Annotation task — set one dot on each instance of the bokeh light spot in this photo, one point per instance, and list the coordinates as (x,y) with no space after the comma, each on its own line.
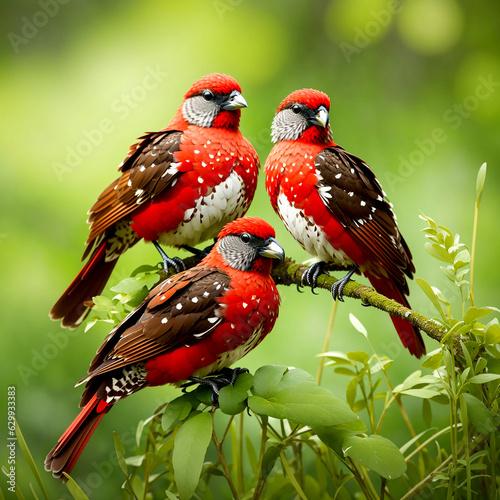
(430,27)
(347,21)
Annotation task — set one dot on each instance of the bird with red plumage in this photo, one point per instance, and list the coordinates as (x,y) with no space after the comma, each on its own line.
(334,206)
(193,324)
(178,187)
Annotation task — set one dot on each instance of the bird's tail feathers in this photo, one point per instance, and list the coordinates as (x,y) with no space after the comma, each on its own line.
(408,333)
(63,456)
(89,282)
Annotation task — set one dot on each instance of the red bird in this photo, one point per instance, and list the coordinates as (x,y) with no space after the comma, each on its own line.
(191,325)
(334,206)
(178,187)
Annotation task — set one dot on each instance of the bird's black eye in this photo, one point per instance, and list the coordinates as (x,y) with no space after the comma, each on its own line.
(245,238)
(208,95)
(296,108)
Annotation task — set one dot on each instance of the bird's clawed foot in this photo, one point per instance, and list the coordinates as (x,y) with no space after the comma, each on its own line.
(216,381)
(311,275)
(174,262)
(338,287)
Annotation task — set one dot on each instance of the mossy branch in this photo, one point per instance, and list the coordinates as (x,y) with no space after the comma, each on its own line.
(290,273)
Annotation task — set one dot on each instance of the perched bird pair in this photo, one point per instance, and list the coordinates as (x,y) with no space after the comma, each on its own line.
(180,187)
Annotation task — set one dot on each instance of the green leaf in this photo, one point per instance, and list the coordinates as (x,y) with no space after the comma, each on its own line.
(266,379)
(296,397)
(176,411)
(337,357)
(102,303)
(351,391)
(29,459)
(129,285)
(415,439)
(421,393)
(75,490)
(170,495)
(334,436)
(427,289)
(190,446)
(492,332)
(377,454)
(474,313)
(479,414)
(434,361)
(343,370)
(481,177)
(120,453)
(269,459)
(427,412)
(482,378)
(414,379)
(429,221)
(438,252)
(138,432)
(232,397)
(358,325)
(360,356)
(384,364)
(135,461)
(145,268)
(462,259)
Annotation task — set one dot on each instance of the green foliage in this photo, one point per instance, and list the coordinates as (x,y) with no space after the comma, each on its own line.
(303,423)
(131,292)
(312,444)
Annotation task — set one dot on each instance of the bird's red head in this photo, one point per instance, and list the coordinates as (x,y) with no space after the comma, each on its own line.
(313,99)
(213,101)
(252,225)
(218,83)
(303,116)
(246,244)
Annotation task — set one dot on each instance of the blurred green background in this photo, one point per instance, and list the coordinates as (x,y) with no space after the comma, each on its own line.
(415,89)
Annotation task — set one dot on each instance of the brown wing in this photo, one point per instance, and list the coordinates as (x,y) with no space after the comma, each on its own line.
(146,172)
(352,193)
(181,310)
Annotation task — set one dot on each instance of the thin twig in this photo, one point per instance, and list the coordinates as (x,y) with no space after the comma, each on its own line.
(222,460)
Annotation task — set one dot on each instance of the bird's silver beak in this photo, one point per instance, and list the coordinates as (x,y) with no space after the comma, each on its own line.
(321,118)
(272,249)
(234,101)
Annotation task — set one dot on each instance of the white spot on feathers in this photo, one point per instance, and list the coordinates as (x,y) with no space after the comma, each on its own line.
(221,204)
(310,236)
(164,320)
